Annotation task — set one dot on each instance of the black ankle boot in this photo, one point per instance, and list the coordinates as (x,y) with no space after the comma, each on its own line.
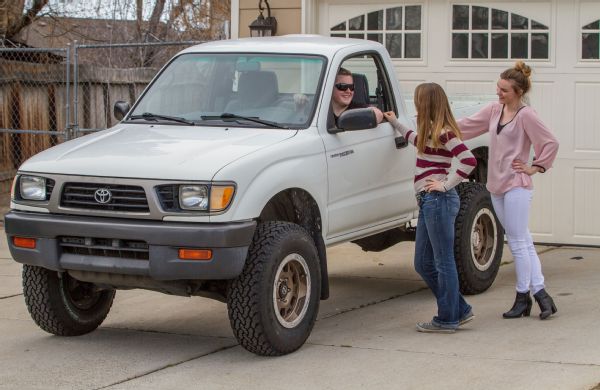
(521,307)
(547,306)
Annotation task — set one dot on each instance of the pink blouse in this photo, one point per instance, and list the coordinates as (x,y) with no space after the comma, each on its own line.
(513,142)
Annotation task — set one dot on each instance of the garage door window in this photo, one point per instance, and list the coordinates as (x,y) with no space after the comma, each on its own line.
(490,33)
(590,42)
(398,28)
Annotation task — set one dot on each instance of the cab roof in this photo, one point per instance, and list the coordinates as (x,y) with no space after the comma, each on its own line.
(289,44)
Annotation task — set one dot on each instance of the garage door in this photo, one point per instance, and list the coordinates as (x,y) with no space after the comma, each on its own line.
(465,45)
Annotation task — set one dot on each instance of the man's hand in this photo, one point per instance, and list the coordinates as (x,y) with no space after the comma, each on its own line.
(300,100)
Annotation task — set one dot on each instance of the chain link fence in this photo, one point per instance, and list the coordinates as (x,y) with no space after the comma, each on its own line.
(48,96)
(34,106)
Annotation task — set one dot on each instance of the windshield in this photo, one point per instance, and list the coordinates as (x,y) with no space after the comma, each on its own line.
(280,89)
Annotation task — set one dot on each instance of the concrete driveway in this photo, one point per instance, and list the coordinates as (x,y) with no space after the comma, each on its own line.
(364,338)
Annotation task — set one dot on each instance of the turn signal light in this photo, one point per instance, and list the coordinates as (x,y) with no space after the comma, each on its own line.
(220,197)
(22,242)
(195,254)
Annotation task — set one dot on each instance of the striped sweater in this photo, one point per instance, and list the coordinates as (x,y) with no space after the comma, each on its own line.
(435,163)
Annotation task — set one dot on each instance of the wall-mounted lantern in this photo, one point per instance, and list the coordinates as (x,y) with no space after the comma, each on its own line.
(263,27)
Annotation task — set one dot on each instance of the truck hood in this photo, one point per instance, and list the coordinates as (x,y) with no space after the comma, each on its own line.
(155,151)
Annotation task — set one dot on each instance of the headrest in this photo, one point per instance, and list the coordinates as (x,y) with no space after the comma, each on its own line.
(361,89)
(258,86)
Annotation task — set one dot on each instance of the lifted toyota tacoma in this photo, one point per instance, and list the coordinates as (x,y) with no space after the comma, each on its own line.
(228,179)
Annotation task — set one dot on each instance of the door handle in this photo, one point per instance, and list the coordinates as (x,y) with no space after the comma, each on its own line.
(401,142)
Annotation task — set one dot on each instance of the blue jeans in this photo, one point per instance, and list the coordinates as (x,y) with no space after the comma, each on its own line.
(434,255)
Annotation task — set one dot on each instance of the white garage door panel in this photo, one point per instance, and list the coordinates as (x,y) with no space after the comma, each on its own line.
(587,207)
(544,101)
(408,86)
(589,11)
(470,87)
(541,221)
(543,207)
(587,117)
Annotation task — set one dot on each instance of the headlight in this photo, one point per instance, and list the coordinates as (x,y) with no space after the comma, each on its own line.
(203,197)
(193,197)
(32,187)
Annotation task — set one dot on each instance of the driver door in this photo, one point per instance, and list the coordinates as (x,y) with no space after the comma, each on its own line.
(370,181)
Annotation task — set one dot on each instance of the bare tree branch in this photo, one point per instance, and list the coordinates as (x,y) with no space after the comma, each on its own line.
(159,6)
(26,18)
(132,21)
(139,12)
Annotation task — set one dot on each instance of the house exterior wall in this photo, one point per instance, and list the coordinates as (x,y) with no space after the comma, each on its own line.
(287,13)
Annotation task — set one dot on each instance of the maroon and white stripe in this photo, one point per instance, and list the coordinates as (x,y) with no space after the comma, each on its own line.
(435,163)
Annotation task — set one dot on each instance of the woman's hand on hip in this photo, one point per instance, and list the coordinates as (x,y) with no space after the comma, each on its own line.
(520,167)
(434,185)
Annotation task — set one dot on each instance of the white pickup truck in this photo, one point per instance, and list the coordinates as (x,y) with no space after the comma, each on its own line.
(228,179)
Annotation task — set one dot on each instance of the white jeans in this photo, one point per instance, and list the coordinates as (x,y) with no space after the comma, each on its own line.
(512,209)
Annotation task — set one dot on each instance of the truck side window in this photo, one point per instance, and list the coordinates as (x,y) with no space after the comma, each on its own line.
(370,81)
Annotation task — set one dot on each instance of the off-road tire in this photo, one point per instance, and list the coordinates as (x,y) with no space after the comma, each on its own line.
(62,305)
(480,172)
(478,241)
(252,296)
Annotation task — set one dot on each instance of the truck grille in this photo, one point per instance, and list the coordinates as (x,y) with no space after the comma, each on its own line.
(105,247)
(169,197)
(122,197)
(49,187)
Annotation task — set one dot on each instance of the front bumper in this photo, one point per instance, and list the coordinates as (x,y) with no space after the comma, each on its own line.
(229,243)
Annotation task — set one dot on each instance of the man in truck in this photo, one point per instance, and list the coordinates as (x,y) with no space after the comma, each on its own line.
(343,94)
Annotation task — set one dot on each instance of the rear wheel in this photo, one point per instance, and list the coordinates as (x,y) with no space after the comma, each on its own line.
(479,239)
(274,303)
(62,305)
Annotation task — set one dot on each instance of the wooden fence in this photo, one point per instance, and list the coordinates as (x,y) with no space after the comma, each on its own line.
(34,97)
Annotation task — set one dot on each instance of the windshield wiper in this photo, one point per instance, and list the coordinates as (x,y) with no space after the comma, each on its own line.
(152,117)
(228,115)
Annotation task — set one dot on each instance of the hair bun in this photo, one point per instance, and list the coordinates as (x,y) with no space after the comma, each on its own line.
(523,68)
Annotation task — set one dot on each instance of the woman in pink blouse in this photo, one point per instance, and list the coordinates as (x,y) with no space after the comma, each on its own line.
(514,127)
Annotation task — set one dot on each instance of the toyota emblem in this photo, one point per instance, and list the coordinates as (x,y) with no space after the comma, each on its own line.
(102,195)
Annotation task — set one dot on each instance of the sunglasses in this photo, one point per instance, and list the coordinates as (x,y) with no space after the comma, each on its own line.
(344,87)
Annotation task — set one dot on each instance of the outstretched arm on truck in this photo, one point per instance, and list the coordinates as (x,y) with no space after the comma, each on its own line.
(399,128)
(476,124)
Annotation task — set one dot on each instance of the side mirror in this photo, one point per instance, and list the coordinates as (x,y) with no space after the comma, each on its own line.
(121,109)
(356,119)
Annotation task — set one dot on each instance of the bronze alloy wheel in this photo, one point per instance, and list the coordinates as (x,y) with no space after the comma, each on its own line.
(291,290)
(478,239)
(273,304)
(483,239)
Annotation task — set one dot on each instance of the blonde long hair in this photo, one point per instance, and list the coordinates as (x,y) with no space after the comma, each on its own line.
(433,116)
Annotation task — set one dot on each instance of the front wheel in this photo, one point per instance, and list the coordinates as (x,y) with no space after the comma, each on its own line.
(62,305)
(274,302)
(479,239)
